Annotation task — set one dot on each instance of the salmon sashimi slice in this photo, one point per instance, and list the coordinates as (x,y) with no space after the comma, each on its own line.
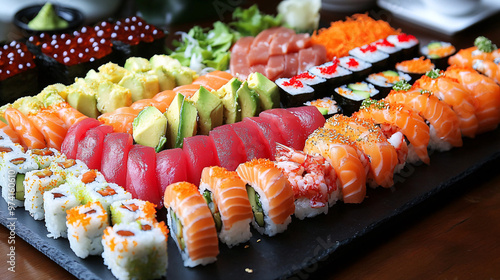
(238,65)
(275,67)
(10,133)
(300,41)
(282,42)
(188,90)
(291,65)
(489,68)
(273,192)
(165,97)
(444,123)
(411,124)
(51,126)
(465,57)
(143,103)
(485,91)
(121,119)
(68,114)
(345,159)
(30,136)
(259,50)
(369,139)
(213,80)
(227,199)
(451,92)
(191,224)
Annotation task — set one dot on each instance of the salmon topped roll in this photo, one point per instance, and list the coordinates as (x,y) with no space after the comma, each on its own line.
(348,162)
(407,122)
(191,224)
(270,195)
(226,196)
(369,138)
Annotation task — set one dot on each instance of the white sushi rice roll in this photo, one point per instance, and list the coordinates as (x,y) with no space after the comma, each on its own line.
(87,179)
(136,250)
(7,147)
(130,210)
(15,165)
(403,41)
(106,193)
(386,46)
(369,54)
(36,183)
(55,203)
(73,167)
(4,137)
(353,64)
(86,224)
(320,71)
(44,157)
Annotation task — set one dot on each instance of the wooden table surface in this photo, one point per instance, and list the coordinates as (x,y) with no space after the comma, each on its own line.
(455,236)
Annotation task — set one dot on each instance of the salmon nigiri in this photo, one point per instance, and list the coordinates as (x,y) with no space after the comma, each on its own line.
(120,119)
(68,114)
(410,123)
(187,90)
(5,128)
(191,224)
(270,195)
(345,158)
(444,123)
(227,198)
(369,139)
(485,91)
(489,68)
(30,136)
(165,97)
(213,80)
(52,127)
(451,92)
(143,103)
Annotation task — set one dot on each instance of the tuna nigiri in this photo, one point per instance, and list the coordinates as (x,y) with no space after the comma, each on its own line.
(114,157)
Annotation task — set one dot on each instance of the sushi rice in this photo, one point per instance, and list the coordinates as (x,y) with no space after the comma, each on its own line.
(130,210)
(55,203)
(36,183)
(15,164)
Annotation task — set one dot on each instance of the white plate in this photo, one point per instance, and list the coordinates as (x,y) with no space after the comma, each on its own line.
(416,12)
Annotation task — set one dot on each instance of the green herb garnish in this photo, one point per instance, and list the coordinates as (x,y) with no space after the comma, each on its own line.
(401,86)
(379,104)
(484,44)
(250,22)
(434,74)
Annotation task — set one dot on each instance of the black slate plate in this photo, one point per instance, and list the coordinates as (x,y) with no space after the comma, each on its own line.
(306,244)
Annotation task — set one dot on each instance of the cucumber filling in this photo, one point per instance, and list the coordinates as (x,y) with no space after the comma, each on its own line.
(20,187)
(254,199)
(177,230)
(208,196)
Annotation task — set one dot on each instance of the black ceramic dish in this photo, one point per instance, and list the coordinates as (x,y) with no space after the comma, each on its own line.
(74,18)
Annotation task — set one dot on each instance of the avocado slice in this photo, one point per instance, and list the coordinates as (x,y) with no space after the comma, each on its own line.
(361,93)
(182,75)
(141,86)
(165,79)
(83,98)
(269,95)
(358,87)
(434,45)
(390,73)
(228,94)
(150,127)
(210,110)
(254,199)
(137,64)
(208,196)
(177,230)
(181,121)
(248,100)
(109,95)
(20,186)
(112,72)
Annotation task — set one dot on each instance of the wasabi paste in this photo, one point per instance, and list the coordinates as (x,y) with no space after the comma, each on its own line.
(47,19)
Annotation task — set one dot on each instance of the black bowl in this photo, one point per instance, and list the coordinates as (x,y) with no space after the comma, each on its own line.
(74,18)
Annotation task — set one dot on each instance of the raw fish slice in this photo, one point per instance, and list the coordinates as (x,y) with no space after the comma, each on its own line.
(188,90)
(281,43)
(115,151)
(91,146)
(30,136)
(229,147)
(143,103)
(488,68)
(213,80)
(369,139)
(52,127)
(255,145)
(238,64)
(76,132)
(68,114)
(466,57)
(275,67)
(261,68)
(289,126)
(198,227)
(299,42)
(121,119)
(344,157)
(259,50)
(165,97)
(171,167)
(10,132)
(200,152)
(411,124)
(141,175)
(291,65)
(457,97)
(268,132)
(485,91)
(310,118)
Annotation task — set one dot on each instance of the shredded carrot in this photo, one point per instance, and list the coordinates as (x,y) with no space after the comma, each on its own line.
(416,65)
(355,31)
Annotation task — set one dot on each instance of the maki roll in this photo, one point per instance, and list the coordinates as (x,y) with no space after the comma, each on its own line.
(55,204)
(88,179)
(130,210)
(226,196)
(192,224)
(371,54)
(332,72)
(73,167)
(415,67)
(327,106)
(408,43)
(350,96)
(44,157)
(294,92)
(136,250)
(395,53)
(105,193)
(14,167)
(359,68)
(270,195)
(86,224)
(36,183)
(384,81)
(438,52)
(319,84)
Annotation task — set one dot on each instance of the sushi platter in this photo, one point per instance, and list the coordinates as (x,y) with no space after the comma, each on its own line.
(246,152)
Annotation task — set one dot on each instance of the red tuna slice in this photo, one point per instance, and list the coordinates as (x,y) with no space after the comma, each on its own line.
(114,157)
(310,118)
(200,152)
(171,167)
(75,133)
(90,147)
(259,50)
(291,65)
(275,67)
(230,148)
(255,144)
(280,43)
(141,175)
(289,126)
(268,131)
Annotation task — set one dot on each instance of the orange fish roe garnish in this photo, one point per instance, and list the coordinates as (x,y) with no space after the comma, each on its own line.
(78,214)
(416,65)
(164,228)
(260,161)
